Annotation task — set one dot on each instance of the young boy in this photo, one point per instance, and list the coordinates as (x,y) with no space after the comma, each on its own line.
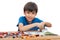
(29,22)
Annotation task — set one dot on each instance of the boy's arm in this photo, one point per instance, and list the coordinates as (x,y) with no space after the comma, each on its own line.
(27,27)
(42,24)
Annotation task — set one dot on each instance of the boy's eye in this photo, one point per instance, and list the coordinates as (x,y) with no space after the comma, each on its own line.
(33,13)
(28,12)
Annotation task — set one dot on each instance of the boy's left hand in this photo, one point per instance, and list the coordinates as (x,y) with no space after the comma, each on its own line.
(48,24)
(41,25)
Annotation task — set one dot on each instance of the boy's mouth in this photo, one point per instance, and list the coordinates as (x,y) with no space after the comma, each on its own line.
(29,18)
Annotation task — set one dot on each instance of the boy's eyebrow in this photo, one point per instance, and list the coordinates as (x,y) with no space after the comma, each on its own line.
(30,11)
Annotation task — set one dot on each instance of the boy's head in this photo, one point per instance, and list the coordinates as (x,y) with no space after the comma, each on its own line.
(30,11)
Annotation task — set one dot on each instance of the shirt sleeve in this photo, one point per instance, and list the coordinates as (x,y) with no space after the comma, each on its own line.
(20,21)
(40,20)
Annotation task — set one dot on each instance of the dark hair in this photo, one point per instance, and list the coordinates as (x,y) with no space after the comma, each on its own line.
(30,6)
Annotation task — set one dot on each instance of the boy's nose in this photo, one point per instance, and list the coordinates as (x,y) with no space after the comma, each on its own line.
(30,14)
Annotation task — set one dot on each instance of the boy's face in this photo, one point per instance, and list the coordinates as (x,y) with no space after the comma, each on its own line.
(30,15)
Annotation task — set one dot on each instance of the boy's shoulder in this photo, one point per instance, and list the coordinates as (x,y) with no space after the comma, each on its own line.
(22,18)
(37,20)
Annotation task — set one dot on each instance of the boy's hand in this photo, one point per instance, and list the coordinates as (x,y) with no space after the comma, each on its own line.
(48,24)
(40,25)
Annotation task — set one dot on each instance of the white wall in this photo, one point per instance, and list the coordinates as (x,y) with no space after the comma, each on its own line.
(11,10)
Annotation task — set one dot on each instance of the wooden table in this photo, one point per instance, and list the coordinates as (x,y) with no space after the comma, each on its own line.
(35,38)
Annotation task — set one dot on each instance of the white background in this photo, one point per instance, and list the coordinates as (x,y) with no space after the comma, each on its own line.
(11,10)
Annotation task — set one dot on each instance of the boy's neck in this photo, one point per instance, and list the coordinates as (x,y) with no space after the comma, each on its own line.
(29,22)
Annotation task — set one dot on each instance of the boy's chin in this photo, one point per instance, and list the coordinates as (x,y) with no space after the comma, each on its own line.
(29,20)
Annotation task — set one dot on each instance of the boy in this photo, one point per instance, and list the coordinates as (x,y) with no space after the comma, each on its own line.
(29,22)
